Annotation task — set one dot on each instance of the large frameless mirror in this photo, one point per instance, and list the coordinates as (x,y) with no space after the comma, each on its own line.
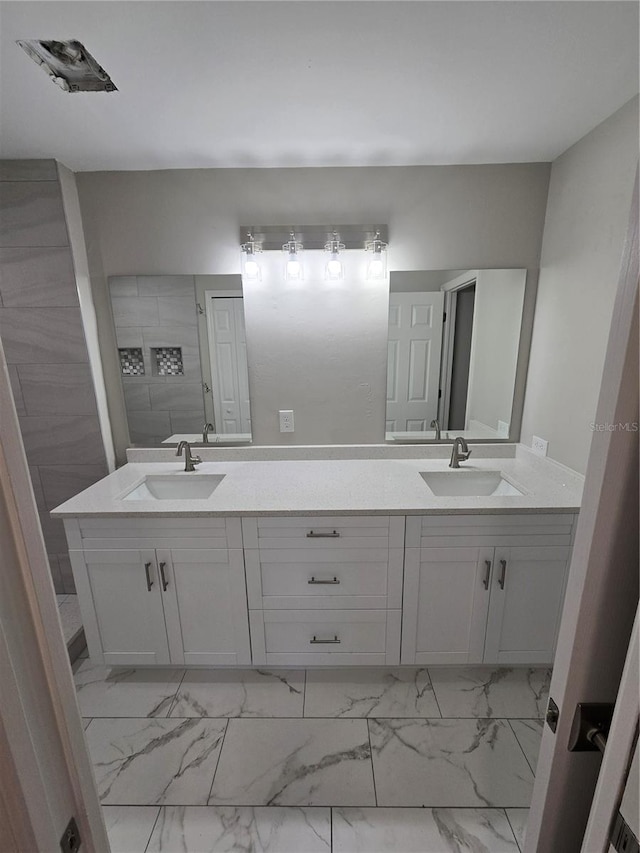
(182,356)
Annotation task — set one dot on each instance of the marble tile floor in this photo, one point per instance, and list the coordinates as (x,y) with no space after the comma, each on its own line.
(365,759)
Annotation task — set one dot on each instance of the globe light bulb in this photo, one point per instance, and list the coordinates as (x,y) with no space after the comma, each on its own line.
(293,270)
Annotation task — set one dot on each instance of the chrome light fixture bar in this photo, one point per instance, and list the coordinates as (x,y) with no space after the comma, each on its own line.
(293,267)
(274,237)
(334,271)
(250,266)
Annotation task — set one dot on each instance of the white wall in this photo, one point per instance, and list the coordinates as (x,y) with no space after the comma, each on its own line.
(586,222)
(497,317)
(187,221)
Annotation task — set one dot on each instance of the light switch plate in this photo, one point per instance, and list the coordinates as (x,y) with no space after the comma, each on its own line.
(286,420)
(539,445)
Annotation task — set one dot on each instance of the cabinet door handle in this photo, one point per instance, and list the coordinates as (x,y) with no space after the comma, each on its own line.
(503,573)
(319,642)
(318,534)
(487,575)
(147,571)
(165,583)
(316,581)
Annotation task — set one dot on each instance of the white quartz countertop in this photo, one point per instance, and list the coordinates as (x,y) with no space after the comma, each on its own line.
(332,487)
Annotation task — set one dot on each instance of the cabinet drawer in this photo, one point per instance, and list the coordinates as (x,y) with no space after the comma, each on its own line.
(320,579)
(325,637)
(311,534)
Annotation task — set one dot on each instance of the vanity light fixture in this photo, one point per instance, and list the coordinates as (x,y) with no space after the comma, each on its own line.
(250,265)
(377,267)
(293,266)
(334,271)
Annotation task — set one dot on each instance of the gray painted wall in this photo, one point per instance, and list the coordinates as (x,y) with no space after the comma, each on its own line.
(187,222)
(585,227)
(44,343)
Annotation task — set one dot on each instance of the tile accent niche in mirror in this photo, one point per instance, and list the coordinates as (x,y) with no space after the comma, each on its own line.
(156,327)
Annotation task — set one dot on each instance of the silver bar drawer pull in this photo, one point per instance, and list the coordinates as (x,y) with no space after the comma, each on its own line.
(147,571)
(323,534)
(316,642)
(318,581)
(165,582)
(485,582)
(503,573)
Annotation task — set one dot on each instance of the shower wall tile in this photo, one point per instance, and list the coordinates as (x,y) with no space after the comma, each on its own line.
(54,567)
(66,574)
(183,396)
(136,396)
(149,425)
(28,170)
(129,336)
(177,311)
(61,482)
(31,214)
(34,473)
(43,335)
(54,536)
(163,336)
(37,278)
(187,421)
(123,285)
(62,440)
(134,311)
(16,389)
(166,285)
(57,389)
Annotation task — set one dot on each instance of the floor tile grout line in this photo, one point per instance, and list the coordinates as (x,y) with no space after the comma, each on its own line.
(434,692)
(213,779)
(533,769)
(175,695)
(304,696)
(512,829)
(146,846)
(373,772)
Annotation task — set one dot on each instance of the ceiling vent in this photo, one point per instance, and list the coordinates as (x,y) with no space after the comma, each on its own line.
(69,64)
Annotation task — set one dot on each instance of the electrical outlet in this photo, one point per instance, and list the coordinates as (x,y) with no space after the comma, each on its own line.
(286,420)
(539,445)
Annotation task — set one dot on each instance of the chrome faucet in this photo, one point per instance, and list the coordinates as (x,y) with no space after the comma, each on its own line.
(206,429)
(435,425)
(190,461)
(460,452)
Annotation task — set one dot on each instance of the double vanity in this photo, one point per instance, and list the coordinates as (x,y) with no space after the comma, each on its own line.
(258,559)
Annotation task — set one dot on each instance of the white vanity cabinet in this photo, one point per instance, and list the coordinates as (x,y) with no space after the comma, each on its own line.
(324,590)
(484,588)
(159,591)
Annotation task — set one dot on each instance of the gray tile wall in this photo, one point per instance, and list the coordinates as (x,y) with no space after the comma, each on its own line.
(43,338)
(156,311)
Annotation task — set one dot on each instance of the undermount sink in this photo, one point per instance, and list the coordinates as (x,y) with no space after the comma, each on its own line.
(465,482)
(175,487)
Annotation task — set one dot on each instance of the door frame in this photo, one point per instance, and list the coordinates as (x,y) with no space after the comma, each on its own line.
(450,290)
(618,754)
(42,744)
(602,588)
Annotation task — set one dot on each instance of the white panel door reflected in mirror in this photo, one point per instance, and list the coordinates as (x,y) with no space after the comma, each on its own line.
(229,374)
(454,341)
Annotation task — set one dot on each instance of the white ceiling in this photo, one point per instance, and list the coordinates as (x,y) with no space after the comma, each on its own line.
(318,83)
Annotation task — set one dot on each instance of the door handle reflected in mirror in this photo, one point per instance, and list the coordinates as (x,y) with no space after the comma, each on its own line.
(147,571)
(165,583)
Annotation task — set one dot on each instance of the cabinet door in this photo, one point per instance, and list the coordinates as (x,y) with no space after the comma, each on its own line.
(205,602)
(446,600)
(127,599)
(527,592)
